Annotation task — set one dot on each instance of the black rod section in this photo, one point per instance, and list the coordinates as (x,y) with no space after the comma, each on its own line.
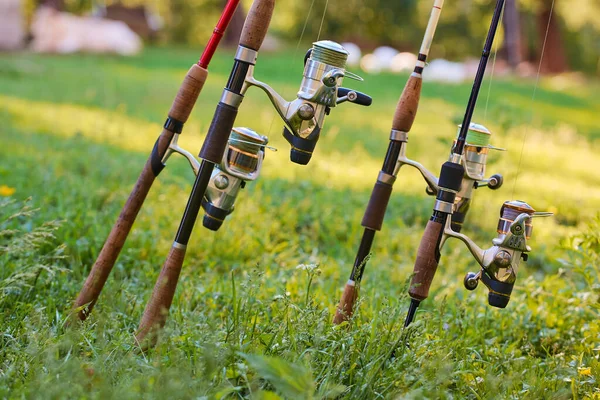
(363,251)
(194,203)
(412,310)
(391,157)
(487,49)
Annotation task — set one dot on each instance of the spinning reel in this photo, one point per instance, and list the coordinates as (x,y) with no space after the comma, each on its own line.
(474,161)
(241,163)
(500,263)
(320,90)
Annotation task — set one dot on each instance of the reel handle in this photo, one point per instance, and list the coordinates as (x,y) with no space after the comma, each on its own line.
(355,97)
(157,309)
(257,23)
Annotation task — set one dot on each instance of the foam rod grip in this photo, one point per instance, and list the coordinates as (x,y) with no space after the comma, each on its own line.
(116,239)
(257,24)
(157,309)
(188,93)
(345,309)
(218,134)
(427,261)
(375,213)
(407,107)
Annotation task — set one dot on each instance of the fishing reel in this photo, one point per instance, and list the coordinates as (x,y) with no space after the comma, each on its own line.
(500,263)
(474,161)
(242,162)
(320,90)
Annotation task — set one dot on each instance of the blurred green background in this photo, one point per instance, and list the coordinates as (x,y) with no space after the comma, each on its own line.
(370,23)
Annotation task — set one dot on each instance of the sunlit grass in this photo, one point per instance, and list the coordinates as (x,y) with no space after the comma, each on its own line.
(77,131)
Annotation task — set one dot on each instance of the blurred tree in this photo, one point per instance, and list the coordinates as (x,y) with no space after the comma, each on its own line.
(549,32)
(56,4)
(573,36)
(234,30)
(512,34)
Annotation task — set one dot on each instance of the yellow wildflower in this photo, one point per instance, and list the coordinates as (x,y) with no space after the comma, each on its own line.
(6,191)
(587,371)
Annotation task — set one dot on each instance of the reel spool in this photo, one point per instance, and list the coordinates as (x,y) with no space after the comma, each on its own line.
(509,212)
(474,160)
(476,150)
(241,163)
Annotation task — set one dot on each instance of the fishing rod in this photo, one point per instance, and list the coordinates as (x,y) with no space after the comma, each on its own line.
(167,141)
(303,117)
(449,184)
(404,116)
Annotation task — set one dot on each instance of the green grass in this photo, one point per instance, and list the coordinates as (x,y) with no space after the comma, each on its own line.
(247,321)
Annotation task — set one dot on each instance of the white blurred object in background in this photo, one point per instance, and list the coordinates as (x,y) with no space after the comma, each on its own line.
(403,62)
(385,55)
(370,64)
(354,54)
(445,71)
(12,32)
(59,32)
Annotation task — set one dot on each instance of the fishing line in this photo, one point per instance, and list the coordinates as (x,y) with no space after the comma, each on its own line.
(322,19)
(303,29)
(294,58)
(537,81)
(487,100)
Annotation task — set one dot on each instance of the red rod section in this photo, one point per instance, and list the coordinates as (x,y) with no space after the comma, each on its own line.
(214,40)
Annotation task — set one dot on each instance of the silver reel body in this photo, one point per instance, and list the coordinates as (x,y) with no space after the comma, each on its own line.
(242,162)
(320,90)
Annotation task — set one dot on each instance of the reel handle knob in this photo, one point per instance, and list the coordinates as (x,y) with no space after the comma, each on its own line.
(496,181)
(355,97)
(471,281)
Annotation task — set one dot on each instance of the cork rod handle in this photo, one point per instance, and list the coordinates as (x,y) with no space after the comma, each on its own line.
(188,93)
(427,261)
(344,310)
(378,203)
(257,24)
(408,104)
(157,309)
